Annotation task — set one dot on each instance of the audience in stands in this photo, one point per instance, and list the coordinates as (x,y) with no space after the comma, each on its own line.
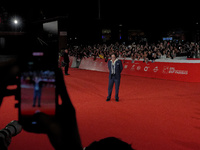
(145,51)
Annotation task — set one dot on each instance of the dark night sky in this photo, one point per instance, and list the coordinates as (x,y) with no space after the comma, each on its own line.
(126,11)
(154,17)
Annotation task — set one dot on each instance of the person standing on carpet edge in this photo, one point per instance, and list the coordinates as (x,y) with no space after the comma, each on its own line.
(66,62)
(115,68)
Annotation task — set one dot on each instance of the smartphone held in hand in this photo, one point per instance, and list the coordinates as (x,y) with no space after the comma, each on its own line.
(37,89)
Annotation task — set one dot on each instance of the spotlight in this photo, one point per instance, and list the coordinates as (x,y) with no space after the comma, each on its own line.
(15,21)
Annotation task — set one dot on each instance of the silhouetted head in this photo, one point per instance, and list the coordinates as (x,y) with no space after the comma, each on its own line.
(110,143)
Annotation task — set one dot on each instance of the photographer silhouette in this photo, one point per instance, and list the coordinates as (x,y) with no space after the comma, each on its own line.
(62,129)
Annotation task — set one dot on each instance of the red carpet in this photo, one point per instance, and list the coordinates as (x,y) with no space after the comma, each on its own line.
(47,101)
(152,114)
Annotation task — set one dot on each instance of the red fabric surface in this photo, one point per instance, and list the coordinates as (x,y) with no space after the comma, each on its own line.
(188,72)
(151,113)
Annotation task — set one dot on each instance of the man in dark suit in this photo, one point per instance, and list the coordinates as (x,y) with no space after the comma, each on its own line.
(66,61)
(37,81)
(115,68)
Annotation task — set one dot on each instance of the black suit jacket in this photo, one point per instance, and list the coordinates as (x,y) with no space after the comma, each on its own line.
(118,68)
(66,58)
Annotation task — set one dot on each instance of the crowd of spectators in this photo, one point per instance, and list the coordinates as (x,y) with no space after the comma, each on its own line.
(145,51)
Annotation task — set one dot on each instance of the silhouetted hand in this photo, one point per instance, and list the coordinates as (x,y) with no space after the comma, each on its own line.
(61,129)
(9,70)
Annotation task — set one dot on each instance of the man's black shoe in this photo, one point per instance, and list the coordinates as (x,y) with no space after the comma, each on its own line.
(67,74)
(117,100)
(108,99)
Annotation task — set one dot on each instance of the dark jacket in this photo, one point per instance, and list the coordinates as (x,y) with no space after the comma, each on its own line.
(66,58)
(118,68)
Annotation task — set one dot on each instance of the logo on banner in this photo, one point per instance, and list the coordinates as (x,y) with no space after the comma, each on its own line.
(138,68)
(146,68)
(125,66)
(165,69)
(133,67)
(172,70)
(155,69)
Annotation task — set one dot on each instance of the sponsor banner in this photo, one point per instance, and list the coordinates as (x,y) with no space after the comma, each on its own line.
(188,72)
(96,65)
